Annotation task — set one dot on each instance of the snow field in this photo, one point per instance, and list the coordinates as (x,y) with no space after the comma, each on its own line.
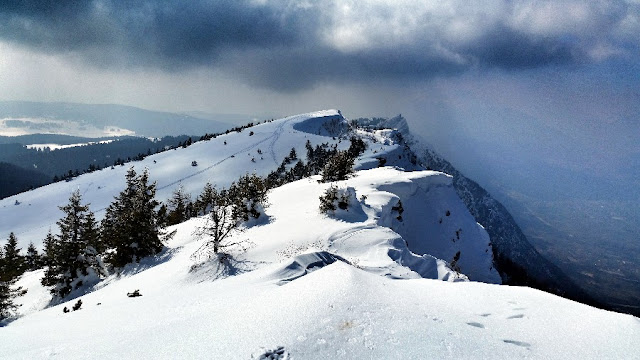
(357,284)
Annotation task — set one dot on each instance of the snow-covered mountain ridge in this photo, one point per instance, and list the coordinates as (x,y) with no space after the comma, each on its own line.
(358,283)
(519,262)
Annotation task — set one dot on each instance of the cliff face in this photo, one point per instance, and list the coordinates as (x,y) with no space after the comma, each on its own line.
(517,261)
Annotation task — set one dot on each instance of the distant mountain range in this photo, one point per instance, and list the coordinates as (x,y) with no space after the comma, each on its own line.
(26,127)
(100,120)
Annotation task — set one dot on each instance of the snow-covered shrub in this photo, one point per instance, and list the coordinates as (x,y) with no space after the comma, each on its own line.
(327,201)
(399,209)
(335,199)
(278,353)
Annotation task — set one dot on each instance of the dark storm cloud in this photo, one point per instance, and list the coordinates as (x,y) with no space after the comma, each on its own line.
(170,34)
(505,48)
(289,45)
(292,69)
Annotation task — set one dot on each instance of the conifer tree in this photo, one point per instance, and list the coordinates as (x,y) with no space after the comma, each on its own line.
(338,167)
(249,196)
(33,259)
(91,233)
(162,215)
(74,261)
(357,147)
(180,207)
(205,201)
(310,150)
(298,171)
(130,226)
(13,263)
(49,251)
(7,295)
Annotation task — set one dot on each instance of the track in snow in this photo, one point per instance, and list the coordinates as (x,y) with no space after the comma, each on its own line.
(273,137)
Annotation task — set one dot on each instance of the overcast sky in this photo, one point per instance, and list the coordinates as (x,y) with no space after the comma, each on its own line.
(530,75)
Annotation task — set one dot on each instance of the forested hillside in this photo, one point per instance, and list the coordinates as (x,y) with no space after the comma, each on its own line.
(14,179)
(25,168)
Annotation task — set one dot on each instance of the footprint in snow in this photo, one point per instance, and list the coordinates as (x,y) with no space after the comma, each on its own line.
(519,316)
(476,324)
(518,343)
(485,314)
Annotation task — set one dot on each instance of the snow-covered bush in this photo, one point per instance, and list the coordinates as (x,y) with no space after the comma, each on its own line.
(335,199)
(327,201)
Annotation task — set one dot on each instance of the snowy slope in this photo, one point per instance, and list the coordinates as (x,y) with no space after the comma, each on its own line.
(319,294)
(366,282)
(316,289)
(220,164)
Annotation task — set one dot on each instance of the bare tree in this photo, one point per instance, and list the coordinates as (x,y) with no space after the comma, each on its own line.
(223,218)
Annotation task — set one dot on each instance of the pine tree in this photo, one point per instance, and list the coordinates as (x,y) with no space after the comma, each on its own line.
(338,167)
(49,252)
(11,267)
(7,294)
(292,156)
(13,263)
(249,196)
(310,151)
(91,234)
(298,171)
(357,147)
(180,207)
(162,215)
(205,201)
(33,259)
(130,226)
(74,261)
